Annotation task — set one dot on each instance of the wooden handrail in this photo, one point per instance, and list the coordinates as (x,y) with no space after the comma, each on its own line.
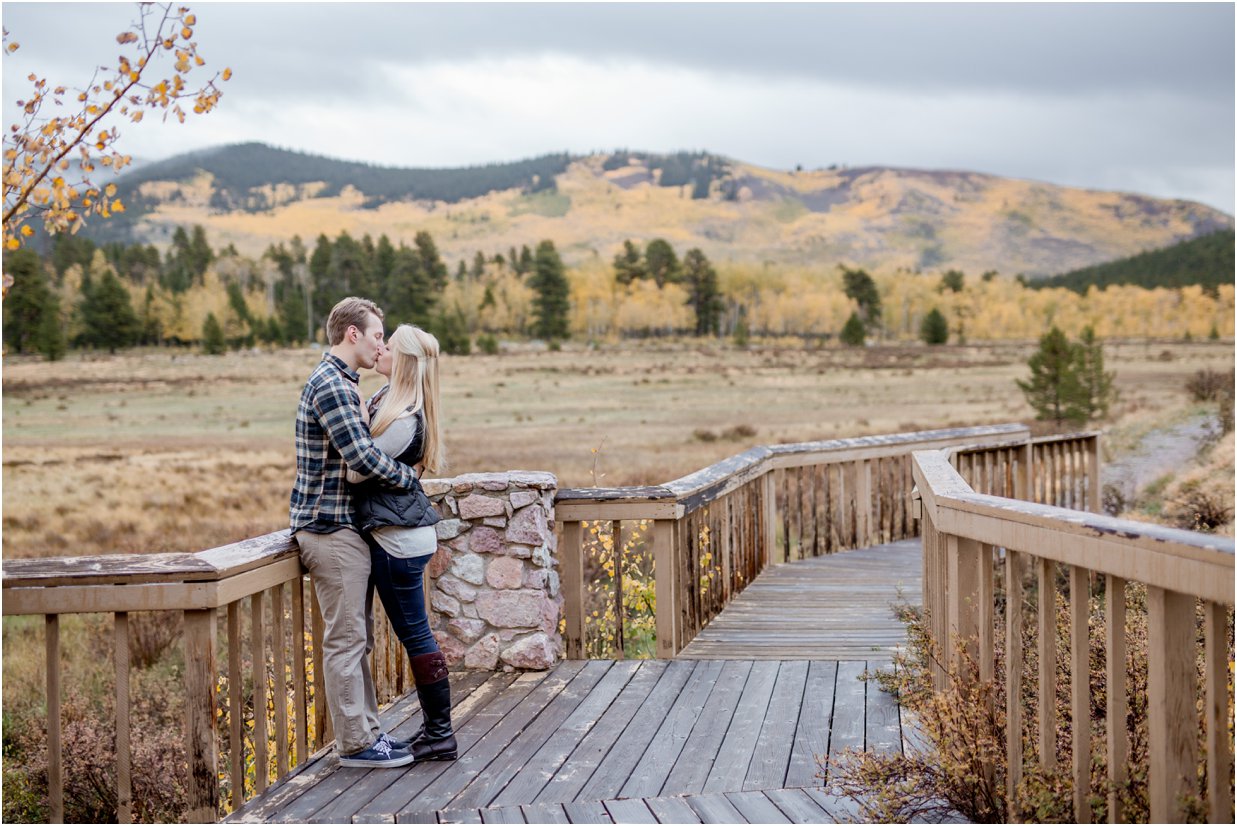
(965,533)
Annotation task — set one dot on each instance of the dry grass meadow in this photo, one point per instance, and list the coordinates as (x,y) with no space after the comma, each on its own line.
(170,451)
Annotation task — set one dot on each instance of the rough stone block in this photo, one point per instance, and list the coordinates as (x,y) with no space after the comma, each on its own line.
(469,567)
(495,521)
(511,609)
(449,528)
(534,651)
(485,541)
(476,506)
(440,562)
(505,573)
(484,654)
(535,578)
(528,527)
(541,556)
(444,604)
(467,630)
(457,588)
(523,498)
(495,482)
(452,649)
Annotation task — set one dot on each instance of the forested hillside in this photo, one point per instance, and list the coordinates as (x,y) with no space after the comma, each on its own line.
(1206,261)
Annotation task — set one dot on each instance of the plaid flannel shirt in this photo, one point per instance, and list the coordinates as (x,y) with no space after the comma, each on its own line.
(330,438)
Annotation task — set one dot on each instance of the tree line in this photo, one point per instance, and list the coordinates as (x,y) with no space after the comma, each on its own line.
(1206,261)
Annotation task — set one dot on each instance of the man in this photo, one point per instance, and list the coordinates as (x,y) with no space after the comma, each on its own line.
(330,438)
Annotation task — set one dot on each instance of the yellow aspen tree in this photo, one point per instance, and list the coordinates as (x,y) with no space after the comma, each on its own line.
(58,122)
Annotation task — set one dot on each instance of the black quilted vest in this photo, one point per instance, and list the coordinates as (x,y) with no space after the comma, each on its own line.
(378,506)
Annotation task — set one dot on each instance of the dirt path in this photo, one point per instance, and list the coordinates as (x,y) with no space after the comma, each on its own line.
(1161,451)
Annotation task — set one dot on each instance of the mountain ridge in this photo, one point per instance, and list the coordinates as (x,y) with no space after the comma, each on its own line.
(873,216)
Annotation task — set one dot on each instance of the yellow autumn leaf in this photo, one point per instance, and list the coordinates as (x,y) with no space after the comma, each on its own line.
(126,37)
(110,189)
(227,74)
(186,32)
(190,19)
(13,244)
(117,206)
(27,230)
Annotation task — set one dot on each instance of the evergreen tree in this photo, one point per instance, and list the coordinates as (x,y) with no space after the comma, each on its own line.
(150,328)
(408,296)
(212,336)
(27,301)
(200,254)
(177,272)
(861,289)
(461,271)
(451,330)
(934,329)
(662,263)
(1095,390)
(628,264)
(384,262)
(432,265)
(853,333)
(478,265)
(741,334)
(551,303)
(50,338)
(108,319)
(1053,389)
(952,280)
(705,298)
(290,298)
(323,295)
(526,261)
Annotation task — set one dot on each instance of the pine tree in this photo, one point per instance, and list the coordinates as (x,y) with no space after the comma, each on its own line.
(934,329)
(705,297)
(661,262)
(861,289)
(741,333)
(1053,389)
(853,333)
(26,302)
(212,336)
(551,303)
(628,264)
(1095,390)
(107,314)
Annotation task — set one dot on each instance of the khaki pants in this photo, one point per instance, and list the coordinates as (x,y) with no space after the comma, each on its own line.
(339,563)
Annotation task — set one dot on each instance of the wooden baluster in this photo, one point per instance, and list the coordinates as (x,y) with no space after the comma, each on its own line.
(571,555)
(1219,744)
(811,488)
(200,746)
(298,670)
(666,611)
(727,549)
(323,732)
(236,708)
(799,520)
(1047,665)
(829,494)
(863,493)
(55,761)
(1013,671)
(990,486)
(1172,724)
(784,478)
(1080,690)
(962,557)
(257,642)
(1117,734)
(280,695)
(768,520)
(1094,488)
(616,537)
(986,615)
(124,783)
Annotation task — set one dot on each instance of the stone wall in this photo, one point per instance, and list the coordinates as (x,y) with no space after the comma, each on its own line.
(495,600)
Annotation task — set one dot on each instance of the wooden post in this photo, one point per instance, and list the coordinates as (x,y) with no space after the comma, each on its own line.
(1118,736)
(323,732)
(1095,492)
(666,587)
(985,615)
(864,503)
(257,643)
(200,745)
(1219,745)
(571,555)
(726,545)
(1080,690)
(1013,671)
(1047,665)
(124,784)
(1172,725)
(279,694)
(298,670)
(55,762)
(1024,482)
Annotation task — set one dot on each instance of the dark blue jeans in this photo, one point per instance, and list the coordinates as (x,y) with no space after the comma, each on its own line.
(400,586)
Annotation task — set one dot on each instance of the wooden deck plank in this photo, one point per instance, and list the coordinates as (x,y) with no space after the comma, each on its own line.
(503,814)
(544,813)
(701,748)
(580,766)
(672,810)
(417,777)
(798,806)
(756,808)
(837,809)
(737,748)
(474,760)
(590,811)
(622,749)
(320,766)
(812,734)
(633,810)
(454,816)
(649,774)
(714,808)
(485,787)
(883,731)
(537,771)
(777,736)
(849,707)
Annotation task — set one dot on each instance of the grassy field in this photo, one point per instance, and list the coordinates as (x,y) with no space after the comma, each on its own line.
(168,451)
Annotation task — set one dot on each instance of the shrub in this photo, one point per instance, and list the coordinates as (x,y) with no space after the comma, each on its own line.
(703,435)
(487,344)
(1209,385)
(934,329)
(1198,509)
(739,432)
(853,332)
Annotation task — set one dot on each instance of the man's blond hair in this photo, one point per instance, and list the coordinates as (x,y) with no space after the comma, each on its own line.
(351,312)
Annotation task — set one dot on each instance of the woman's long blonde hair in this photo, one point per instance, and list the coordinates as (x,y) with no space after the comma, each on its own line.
(414,386)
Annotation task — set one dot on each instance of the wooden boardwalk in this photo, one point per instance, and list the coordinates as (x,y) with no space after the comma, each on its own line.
(695,739)
(834,607)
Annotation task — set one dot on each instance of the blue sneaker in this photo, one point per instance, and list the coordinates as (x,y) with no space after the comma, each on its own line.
(378,756)
(396,745)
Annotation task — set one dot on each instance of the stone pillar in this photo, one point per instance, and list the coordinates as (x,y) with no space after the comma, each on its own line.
(495,599)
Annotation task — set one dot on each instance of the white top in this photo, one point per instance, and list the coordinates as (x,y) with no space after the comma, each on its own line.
(397,540)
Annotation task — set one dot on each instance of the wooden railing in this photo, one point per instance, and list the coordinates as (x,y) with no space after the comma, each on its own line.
(978,551)
(710,533)
(249,599)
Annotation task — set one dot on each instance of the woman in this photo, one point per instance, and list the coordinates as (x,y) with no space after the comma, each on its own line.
(400,524)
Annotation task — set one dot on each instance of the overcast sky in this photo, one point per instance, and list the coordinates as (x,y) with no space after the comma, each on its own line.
(1131,97)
